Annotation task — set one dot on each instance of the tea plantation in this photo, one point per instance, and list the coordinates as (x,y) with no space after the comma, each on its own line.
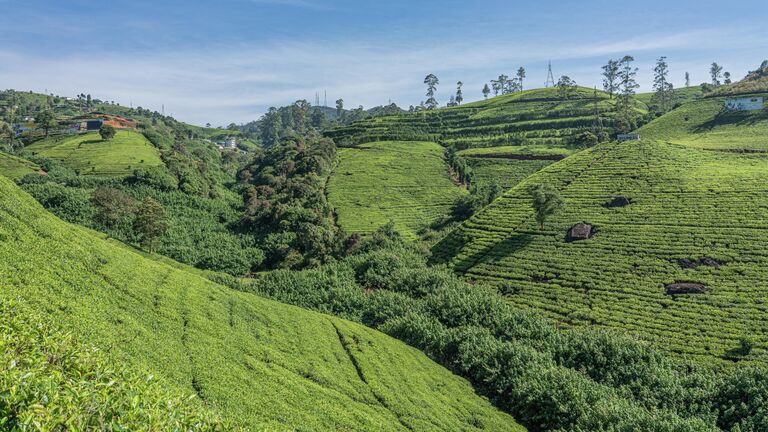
(89,155)
(261,364)
(509,165)
(15,167)
(540,116)
(406,182)
(706,124)
(693,215)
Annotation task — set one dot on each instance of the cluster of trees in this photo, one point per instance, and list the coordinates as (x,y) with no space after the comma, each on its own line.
(505,85)
(182,210)
(548,379)
(279,123)
(619,79)
(566,87)
(285,203)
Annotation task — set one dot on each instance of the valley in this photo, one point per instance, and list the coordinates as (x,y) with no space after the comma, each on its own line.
(518,252)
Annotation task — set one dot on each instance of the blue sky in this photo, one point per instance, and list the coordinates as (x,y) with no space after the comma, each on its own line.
(228,60)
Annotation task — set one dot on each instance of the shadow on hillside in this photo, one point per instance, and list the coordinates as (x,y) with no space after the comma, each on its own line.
(496,251)
(739,118)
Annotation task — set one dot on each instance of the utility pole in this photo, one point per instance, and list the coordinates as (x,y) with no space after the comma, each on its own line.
(550,77)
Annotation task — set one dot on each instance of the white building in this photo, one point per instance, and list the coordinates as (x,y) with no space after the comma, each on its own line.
(744,104)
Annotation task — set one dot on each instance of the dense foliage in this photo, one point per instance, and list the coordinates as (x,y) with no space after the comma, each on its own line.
(285,203)
(549,379)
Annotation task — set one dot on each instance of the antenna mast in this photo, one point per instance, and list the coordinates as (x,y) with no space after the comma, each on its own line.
(550,77)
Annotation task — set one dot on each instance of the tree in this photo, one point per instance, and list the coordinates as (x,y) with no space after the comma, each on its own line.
(687,79)
(459,93)
(496,87)
(431,81)
(452,101)
(727,78)
(627,86)
(611,77)
(339,109)
(107,132)
(7,135)
(521,77)
(113,206)
(46,120)
(300,113)
(662,87)
(715,71)
(318,118)
(271,127)
(566,87)
(502,83)
(486,91)
(151,223)
(545,202)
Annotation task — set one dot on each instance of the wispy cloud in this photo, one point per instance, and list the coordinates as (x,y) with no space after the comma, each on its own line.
(313,4)
(238,83)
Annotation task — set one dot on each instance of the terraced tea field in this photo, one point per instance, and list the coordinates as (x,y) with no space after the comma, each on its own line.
(89,155)
(533,117)
(406,182)
(705,124)
(15,167)
(262,364)
(686,204)
(509,165)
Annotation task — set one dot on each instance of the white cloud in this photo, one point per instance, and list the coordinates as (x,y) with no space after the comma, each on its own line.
(238,83)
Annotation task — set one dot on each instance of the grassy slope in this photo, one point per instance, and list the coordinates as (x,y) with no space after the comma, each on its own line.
(81,387)
(537,116)
(682,95)
(509,165)
(15,167)
(703,124)
(406,182)
(88,154)
(531,120)
(687,204)
(256,361)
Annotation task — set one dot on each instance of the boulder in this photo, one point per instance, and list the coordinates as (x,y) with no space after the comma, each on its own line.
(619,201)
(686,288)
(686,263)
(708,261)
(580,231)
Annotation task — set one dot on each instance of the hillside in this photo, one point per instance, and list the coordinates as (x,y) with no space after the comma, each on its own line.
(706,124)
(694,216)
(15,167)
(509,165)
(539,116)
(89,155)
(537,122)
(406,182)
(257,362)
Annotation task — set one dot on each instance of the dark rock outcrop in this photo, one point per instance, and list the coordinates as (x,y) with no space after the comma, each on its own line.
(580,231)
(685,288)
(686,263)
(619,201)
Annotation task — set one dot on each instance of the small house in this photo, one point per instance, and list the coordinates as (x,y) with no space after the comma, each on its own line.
(628,137)
(744,104)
